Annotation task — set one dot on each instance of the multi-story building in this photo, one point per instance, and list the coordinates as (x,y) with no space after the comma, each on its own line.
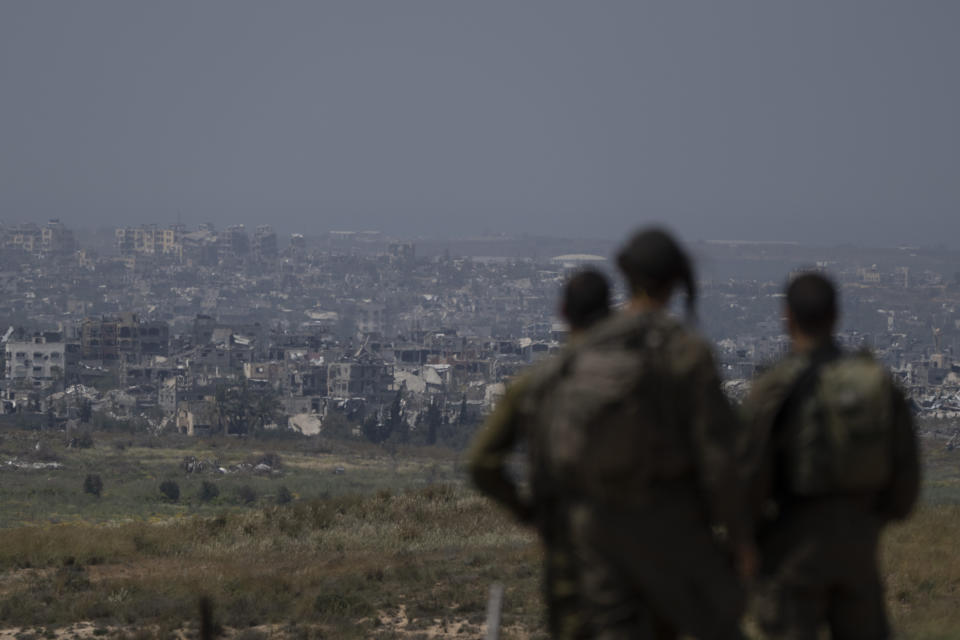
(265,243)
(109,338)
(367,377)
(51,238)
(36,362)
(233,242)
(149,239)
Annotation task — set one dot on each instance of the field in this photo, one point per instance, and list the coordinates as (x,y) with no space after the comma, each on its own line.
(326,539)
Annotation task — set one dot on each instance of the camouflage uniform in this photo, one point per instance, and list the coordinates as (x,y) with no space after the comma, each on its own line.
(511,423)
(819,552)
(654,471)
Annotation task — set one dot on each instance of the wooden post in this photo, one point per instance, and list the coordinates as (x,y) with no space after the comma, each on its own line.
(494,605)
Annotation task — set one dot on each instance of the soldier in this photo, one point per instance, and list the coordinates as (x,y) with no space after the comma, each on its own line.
(586,300)
(641,447)
(834,458)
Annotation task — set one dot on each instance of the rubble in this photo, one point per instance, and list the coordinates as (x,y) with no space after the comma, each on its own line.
(22,465)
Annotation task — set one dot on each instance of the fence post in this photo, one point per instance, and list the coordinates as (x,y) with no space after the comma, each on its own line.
(494,605)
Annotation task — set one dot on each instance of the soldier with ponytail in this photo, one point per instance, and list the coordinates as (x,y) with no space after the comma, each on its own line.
(641,447)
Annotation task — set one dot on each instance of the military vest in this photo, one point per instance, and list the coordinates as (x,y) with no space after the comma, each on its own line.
(839,434)
(609,433)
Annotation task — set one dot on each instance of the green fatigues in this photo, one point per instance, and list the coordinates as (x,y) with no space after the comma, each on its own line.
(650,565)
(510,423)
(819,553)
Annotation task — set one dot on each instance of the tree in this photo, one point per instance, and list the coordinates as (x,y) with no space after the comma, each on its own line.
(396,418)
(83,441)
(85,410)
(230,407)
(265,408)
(283,495)
(170,490)
(336,425)
(240,408)
(374,429)
(246,494)
(434,421)
(208,491)
(93,484)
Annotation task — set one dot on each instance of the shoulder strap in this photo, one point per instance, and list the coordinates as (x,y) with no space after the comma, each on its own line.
(801,388)
(805,383)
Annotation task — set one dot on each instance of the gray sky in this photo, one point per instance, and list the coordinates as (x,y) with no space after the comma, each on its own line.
(748,120)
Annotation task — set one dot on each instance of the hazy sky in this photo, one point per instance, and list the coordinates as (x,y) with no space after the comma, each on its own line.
(750,120)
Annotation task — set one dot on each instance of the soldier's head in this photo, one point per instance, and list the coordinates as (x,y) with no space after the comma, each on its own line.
(654,265)
(586,299)
(811,307)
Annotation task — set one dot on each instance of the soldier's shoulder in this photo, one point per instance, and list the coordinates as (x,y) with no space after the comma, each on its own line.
(777,375)
(864,367)
(686,347)
(544,373)
(615,328)
(627,328)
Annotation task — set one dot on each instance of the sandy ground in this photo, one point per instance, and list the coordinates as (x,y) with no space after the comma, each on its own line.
(393,624)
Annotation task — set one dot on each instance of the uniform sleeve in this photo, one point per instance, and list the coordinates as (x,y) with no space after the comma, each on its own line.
(715,433)
(755,448)
(899,498)
(487,459)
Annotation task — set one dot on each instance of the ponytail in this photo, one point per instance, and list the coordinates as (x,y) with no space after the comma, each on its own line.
(654,263)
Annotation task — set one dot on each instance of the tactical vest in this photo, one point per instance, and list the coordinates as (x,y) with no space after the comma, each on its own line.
(609,435)
(839,436)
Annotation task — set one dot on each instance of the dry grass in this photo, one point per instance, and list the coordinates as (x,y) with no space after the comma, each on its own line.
(922,570)
(355,562)
(408,564)
(338,565)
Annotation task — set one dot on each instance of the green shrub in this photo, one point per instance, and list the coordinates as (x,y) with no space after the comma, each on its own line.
(93,484)
(208,491)
(283,495)
(246,494)
(83,441)
(170,490)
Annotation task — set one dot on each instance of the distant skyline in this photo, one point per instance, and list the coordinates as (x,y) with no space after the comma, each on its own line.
(817,122)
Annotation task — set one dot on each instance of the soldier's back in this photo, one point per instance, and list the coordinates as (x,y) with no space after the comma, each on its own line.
(835,452)
(639,426)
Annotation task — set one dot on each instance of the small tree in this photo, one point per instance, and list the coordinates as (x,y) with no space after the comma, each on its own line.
(170,490)
(283,495)
(335,425)
(85,410)
(434,421)
(84,440)
(208,491)
(375,430)
(246,494)
(93,484)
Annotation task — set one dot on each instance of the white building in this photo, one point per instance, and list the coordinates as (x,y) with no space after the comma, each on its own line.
(35,362)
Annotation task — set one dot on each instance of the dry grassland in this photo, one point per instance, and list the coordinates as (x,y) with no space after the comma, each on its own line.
(408,562)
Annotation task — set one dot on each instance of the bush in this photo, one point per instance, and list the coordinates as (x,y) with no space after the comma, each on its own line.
(283,495)
(170,490)
(270,459)
(246,494)
(82,441)
(208,491)
(93,484)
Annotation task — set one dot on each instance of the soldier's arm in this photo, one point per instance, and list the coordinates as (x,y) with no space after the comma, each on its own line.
(901,495)
(755,449)
(716,431)
(487,459)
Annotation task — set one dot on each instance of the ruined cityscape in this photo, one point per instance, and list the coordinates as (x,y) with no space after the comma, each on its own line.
(236,330)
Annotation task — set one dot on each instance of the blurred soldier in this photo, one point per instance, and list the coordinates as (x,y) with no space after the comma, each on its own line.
(586,300)
(641,446)
(834,458)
